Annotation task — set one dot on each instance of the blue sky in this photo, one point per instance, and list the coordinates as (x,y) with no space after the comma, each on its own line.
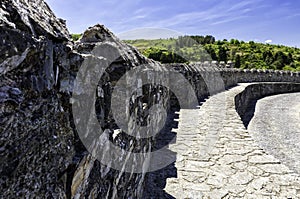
(257,20)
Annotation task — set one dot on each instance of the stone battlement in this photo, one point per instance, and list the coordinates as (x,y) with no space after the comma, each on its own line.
(209,79)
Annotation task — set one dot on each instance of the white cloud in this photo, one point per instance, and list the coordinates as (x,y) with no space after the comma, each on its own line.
(220,13)
(227,20)
(240,5)
(268,41)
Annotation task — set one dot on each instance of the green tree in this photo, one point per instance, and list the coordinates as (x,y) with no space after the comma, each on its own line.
(219,42)
(268,57)
(236,42)
(280,60)
(290,58)
(222,54)
(237,62)
(209,39)
(165,58)
(212,53)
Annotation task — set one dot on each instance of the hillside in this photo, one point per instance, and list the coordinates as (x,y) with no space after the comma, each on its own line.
(239,54)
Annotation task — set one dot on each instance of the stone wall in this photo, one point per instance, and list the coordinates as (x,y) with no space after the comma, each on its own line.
(257,75)
(246,100)
(36,138)
(41,155)
(208,79)
(100,180)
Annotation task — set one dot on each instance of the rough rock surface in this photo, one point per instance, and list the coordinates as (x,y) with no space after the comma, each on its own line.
(40,152)
(33,18)
(98,180)
(36,140)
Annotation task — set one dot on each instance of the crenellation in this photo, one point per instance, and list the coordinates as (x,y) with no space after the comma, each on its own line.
(232,77)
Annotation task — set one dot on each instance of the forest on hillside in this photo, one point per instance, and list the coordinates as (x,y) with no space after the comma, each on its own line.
(240,54)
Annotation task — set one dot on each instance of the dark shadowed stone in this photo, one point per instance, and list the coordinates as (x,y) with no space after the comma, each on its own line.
(32,17)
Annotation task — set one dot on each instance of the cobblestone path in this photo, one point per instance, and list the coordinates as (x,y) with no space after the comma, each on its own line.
(218,158)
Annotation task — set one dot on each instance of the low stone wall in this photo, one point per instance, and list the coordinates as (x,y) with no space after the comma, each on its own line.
(246,100)
(258,75)
(209,79)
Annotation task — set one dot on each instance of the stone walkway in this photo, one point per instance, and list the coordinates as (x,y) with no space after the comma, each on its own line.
(276,127)
(220,159)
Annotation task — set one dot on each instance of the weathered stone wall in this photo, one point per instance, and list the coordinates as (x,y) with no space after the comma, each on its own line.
(100,180)
(246,100)
(36,139)
(257,75)
(208,79)
(41,154)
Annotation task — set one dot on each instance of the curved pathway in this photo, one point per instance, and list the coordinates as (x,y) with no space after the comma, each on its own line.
(276,127)
(220,159)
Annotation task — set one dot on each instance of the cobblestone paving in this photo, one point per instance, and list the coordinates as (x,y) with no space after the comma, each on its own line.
(218,158)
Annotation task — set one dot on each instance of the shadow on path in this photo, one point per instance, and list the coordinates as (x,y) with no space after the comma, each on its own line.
(155,182)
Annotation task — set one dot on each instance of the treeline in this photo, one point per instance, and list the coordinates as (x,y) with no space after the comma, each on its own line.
(189,41)
(202,48)
(163,55)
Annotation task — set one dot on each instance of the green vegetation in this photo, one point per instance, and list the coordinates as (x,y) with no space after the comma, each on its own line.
(163,55)
(76,37)
(202,48)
